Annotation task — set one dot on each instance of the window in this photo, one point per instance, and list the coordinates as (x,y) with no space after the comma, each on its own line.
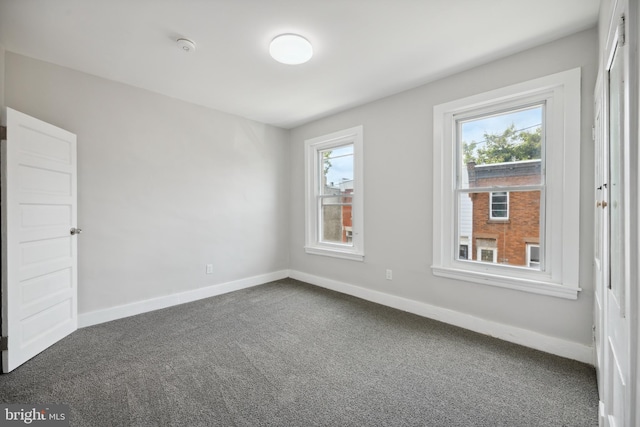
(334,217)
(464,252)
(499,205)
(487,254)
(501,150)
(533,255)
(506,172)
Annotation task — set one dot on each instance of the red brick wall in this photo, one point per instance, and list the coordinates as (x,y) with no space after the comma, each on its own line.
(346,221)
(512,235)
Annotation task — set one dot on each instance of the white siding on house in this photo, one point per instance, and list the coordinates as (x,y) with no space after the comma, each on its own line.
(465,217)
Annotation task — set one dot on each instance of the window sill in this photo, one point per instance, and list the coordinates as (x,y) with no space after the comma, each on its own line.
(335,253)
(540,287)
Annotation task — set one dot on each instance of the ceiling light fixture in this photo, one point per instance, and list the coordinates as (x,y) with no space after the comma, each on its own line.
(186,45)
(291,49)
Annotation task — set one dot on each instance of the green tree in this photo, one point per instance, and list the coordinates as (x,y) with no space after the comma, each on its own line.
(326,155)
(509,146)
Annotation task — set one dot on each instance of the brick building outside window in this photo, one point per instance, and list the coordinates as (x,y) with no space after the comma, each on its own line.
(505,224)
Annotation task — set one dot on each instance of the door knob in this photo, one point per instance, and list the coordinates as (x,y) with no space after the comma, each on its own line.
(75,231)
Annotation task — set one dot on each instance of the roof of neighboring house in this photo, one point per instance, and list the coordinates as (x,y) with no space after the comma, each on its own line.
(503,170)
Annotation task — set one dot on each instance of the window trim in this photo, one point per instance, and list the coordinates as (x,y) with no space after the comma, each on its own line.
(313,242)
(561,91)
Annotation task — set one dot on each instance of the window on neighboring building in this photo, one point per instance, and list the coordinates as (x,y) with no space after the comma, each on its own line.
(334,216)
(487,254)
(499,205)
(464,252)
(349,234)
(515,176)
(533,255)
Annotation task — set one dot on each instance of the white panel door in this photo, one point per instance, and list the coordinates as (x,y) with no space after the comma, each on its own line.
(39,286)
(616,366)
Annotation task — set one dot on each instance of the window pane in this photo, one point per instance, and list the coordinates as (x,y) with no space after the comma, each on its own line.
(499,205)
(486,255)
(337,170)
(534,254)
(337,182)
(464,252)
(508,236)
(502,149)
(336,223)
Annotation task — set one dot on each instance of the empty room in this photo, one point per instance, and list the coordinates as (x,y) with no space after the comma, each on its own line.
(320,213)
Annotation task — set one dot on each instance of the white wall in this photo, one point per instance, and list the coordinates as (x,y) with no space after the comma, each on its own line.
(164,186)
(398,133)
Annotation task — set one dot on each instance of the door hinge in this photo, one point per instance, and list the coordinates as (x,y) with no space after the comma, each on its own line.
(593,133)
(4,343)
(3,132)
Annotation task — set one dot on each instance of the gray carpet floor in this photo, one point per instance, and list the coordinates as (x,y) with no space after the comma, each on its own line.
(291,354)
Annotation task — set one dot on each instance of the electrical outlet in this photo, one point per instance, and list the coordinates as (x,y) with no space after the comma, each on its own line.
(389,274)
(209,268)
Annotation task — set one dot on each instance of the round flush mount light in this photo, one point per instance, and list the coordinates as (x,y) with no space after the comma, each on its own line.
(291,49)
(186,45)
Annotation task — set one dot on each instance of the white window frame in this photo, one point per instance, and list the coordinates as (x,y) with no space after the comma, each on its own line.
(561,201)
(486,248)
(498,218)
(353,250)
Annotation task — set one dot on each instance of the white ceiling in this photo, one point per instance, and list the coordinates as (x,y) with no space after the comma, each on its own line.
(363,49)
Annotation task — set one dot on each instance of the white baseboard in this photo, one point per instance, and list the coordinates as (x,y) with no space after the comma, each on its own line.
(553,345)
(139,307)
(527,338)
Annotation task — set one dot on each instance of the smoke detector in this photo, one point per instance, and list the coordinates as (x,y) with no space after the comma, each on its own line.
(186,45)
